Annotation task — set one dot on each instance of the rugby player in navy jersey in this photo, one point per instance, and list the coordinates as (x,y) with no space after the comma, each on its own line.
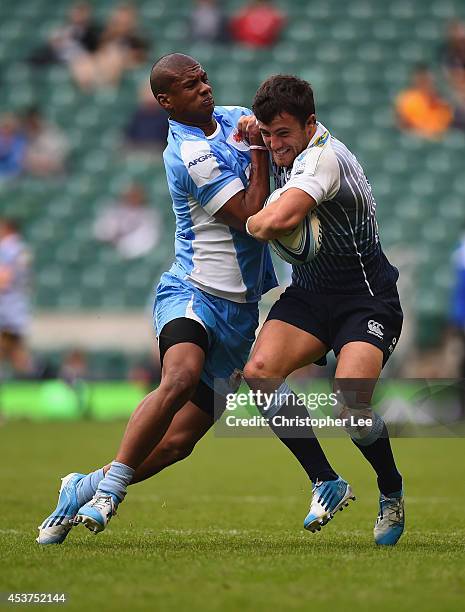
(344,300)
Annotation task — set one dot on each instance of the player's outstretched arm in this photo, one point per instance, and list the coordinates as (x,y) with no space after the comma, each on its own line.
(281,216)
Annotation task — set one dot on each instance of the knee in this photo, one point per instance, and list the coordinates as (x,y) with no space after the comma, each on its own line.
(255,368)
(179,383)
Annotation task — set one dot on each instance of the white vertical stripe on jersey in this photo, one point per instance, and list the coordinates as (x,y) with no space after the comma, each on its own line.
(357,252)
(214,259)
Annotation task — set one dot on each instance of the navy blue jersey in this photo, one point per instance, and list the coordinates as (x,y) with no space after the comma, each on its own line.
(350,259)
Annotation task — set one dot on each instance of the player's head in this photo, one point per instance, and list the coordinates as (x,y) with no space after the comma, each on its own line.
(181,86)
(285,109)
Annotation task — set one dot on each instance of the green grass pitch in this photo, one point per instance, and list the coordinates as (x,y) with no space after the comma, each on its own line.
(223,529)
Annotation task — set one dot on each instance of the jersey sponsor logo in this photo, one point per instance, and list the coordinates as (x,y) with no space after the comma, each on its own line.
(200,159)
(321,140)
(375,328)
(235,140)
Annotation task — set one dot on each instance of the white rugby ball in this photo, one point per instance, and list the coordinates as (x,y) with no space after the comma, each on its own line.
(301,244)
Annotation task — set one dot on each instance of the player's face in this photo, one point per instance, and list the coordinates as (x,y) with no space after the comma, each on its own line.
(286,138)
(190,98)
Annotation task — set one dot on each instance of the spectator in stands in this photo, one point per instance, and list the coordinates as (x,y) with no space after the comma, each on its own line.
(121,47)
(12,147)
(129,224)
(457,315)
(46,147)
(74,367)
(147,372)
(258,24)
(15,262)
(421,110)
(72,42)
(147,129)
(208,23)
(454,57)
(456,336)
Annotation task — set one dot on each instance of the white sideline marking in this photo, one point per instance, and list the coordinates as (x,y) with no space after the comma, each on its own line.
(249,499)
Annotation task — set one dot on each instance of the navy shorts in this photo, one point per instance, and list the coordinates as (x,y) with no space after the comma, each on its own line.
(337,319)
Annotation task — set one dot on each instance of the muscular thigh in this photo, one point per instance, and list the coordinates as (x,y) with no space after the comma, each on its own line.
(282,348)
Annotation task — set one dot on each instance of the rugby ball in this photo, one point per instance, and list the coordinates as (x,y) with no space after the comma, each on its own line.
(301,244)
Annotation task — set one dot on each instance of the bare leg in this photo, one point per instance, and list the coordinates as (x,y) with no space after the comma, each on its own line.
(182,366)
(189,425)
(271,362)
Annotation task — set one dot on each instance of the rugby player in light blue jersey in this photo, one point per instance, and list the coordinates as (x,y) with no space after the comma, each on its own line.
(206,309)
(344,300)
(15,280)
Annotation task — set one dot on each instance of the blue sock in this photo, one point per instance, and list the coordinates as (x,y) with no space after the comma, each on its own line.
(118,477)
(86,487)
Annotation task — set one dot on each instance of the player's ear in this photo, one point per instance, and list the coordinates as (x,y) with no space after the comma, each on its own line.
(311,120)
(163,101)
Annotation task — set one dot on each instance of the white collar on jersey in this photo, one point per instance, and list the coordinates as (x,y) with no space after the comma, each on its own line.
(320,130)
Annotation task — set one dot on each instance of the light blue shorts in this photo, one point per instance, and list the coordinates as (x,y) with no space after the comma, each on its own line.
(230,326)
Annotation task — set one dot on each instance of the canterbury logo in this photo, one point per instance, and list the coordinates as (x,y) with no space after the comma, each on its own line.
(375,328)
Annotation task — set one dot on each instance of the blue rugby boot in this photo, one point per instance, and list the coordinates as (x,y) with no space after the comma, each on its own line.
(390,523)
(56,527)
(329,496)
(95,514)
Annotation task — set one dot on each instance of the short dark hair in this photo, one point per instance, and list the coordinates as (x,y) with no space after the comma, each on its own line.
(282,93)
(166,70)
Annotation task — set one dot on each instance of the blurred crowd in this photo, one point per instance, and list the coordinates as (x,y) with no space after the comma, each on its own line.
(29,144)
(129,224)
(98,55)
(423,109)
(16,360)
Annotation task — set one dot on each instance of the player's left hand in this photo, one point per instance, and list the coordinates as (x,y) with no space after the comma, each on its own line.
(248,131)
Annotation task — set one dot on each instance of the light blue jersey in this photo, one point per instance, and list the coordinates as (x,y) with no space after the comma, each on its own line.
(219,273)
(14,298)
(203,173)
